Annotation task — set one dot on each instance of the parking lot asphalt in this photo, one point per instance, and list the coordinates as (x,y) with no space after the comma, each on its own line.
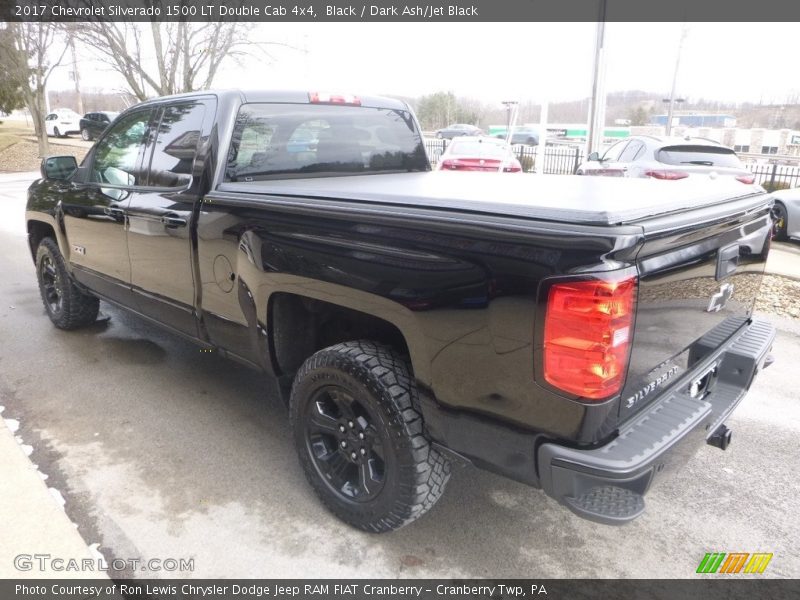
(162,451)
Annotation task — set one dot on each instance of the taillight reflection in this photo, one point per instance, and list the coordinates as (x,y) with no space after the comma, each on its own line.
(666,174)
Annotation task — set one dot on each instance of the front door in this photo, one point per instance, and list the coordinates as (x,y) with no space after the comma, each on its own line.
(94,211)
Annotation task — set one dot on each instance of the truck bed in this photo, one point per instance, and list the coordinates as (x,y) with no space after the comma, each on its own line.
(550,197)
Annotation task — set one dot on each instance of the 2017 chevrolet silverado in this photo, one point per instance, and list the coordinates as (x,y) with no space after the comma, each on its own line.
(576,334)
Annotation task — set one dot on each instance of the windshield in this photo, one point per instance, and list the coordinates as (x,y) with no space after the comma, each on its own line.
(712,156)
(283,141)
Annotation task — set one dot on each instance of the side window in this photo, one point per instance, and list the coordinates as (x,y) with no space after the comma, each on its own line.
(631,152)
(175,145)
(613,153)
(117,154)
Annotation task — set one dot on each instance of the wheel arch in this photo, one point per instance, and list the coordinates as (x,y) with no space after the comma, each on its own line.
(787,214)
(301,324)
(43,226)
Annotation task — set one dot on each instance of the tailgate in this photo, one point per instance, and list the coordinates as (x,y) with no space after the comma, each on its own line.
(699,271)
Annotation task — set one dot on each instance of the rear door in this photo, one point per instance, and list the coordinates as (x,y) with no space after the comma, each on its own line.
(609,165)
(629,157)
(700,270)
(159,218)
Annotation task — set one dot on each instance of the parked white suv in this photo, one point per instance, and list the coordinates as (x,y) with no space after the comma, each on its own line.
(663,157)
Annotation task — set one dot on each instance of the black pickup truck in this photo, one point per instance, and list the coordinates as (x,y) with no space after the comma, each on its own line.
(576,334)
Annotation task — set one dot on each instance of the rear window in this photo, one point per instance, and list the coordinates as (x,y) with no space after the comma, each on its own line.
(284,141)
(711,156)
(479,149)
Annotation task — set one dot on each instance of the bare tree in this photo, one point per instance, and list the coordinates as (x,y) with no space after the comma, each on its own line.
(28,50)
(187,55)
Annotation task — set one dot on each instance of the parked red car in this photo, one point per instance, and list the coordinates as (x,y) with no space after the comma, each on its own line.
(479,154)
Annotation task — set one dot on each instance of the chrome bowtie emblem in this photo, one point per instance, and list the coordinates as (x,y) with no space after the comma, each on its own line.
(720,299)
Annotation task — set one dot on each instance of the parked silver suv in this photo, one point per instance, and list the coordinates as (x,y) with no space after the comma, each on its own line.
(666,158)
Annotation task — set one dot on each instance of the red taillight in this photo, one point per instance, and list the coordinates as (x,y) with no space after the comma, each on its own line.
(749,178)
(587,336)
(325,98)
(664,174)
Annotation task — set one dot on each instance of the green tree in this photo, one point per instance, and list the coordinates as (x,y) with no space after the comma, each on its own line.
(437,110)
(28,50)
(11,94)
(441,109)
(638,116)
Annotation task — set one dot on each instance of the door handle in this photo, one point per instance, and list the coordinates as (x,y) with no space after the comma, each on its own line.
(170,221)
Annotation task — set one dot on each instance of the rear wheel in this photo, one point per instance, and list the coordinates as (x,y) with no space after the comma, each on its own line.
(779,221)
(360,438)
(66,305)
(56,132)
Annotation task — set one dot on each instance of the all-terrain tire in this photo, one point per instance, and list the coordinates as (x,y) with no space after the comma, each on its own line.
(381,388)
(67,306)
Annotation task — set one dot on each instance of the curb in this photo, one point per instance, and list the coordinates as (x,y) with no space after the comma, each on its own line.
(34,519)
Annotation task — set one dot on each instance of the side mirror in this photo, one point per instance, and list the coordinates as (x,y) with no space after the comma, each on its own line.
(58,167)
(593,156)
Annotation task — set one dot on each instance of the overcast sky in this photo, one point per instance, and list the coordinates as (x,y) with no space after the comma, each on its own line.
(499,61)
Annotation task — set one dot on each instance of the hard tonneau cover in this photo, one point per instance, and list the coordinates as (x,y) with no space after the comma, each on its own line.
(572,199)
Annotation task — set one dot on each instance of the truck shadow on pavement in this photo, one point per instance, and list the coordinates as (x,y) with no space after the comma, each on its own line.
(157,443)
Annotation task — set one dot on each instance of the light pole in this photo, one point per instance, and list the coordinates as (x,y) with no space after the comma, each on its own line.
(672,100)
(670,115)
(595,131)
(511,116)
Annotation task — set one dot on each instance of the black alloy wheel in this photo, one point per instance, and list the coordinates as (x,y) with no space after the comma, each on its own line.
(52,286)
(68,306)
(360,437)
(348,451)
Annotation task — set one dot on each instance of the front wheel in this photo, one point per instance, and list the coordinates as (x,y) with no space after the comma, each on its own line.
(360,438)
(66,305)
(85,135)
(779,222)
(56,132)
